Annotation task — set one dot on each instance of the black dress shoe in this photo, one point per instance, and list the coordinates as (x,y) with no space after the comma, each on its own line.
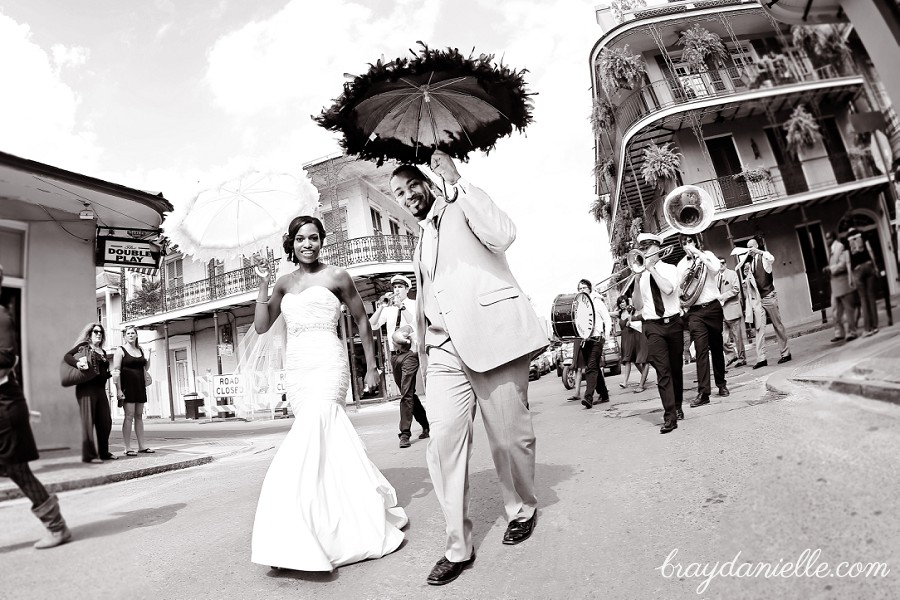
(740,363)
(519,531)
(588,402)
(784,359)
(836,339)
(445,571)
(425,434)
(761,364)
(668,427)
(679,414)
(700,400)
(602,400)
(731,362)
(723,391)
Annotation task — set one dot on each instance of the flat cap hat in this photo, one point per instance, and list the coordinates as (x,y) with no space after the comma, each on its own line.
(401,279)
(649,237)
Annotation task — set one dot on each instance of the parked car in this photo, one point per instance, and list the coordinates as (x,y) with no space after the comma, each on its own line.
(610,362)
(534,369)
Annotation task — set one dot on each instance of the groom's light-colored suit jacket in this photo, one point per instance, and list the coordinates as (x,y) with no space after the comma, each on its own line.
(488,317)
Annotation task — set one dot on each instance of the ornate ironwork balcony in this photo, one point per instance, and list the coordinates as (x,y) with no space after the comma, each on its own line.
(785,180)
(370,249)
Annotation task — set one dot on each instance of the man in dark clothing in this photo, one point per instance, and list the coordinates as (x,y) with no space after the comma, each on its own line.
(405,365)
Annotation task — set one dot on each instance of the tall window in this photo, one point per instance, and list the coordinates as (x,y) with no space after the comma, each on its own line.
(335,224)
(174,273)
(376,220)
(395,227)
(214,267)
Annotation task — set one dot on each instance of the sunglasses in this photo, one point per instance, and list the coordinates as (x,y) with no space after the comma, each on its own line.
(100,331)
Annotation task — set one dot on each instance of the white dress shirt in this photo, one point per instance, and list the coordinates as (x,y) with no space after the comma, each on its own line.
(602,321)
(710,289)
(389,318)
(671,303)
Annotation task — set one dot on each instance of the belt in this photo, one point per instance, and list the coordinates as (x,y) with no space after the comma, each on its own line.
(704,305)
(663,320)
(398,352)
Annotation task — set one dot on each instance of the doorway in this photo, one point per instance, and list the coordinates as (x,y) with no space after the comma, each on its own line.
(815,258)
(837,151)
(727,164)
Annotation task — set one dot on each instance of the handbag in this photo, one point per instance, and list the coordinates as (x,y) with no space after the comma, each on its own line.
(69,375)
(147,379)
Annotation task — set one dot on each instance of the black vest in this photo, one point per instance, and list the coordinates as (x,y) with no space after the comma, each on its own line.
(765,283)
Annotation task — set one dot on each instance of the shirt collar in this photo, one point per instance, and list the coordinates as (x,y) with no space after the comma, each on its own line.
(436,209)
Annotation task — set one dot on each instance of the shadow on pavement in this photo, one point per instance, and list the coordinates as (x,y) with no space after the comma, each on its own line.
(311,576)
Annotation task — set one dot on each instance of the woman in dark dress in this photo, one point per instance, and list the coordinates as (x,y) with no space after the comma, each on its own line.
(17,445)
(130,366)
(634,344)
(92,399)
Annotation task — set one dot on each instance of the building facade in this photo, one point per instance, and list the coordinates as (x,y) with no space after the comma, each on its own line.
(194,315)
(773,121)
(48,232)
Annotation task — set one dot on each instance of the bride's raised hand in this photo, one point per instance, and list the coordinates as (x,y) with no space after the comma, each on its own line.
(261,268)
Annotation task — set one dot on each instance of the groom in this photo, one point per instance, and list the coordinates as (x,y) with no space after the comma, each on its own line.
(476,332)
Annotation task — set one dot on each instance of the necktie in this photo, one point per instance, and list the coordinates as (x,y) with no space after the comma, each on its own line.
(657,298)
(719,282)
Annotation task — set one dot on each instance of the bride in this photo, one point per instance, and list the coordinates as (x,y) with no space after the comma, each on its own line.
(323,503)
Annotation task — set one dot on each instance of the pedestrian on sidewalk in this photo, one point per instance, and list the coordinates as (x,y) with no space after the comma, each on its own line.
(17,446)
(842,291)
(865,273)
(405,367)
(96,421)
(476,333)
(130,372)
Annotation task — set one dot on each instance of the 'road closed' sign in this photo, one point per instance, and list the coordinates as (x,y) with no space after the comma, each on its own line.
(227,386)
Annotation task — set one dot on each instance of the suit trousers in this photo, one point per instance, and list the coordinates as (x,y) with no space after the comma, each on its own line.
(405,366)
(844,315)
(705,324)
(864,278)
(733,339)
(593,373)
(665,342)
(453,392)
(770,305)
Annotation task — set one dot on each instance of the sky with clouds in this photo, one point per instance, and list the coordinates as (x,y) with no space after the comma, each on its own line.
(177,96)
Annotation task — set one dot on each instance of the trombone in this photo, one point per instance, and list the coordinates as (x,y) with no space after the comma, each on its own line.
(635,260)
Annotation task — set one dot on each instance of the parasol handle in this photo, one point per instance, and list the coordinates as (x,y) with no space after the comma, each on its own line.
(447,198)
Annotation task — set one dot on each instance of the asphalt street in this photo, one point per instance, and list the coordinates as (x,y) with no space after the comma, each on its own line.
(764,475)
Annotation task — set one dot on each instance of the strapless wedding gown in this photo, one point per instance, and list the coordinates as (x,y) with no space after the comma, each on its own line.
(323,503)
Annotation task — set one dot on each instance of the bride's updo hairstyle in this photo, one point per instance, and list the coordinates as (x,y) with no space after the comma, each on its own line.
(293,228)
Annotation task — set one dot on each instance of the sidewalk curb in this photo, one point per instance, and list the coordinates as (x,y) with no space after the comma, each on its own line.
(874,391)
(77,484)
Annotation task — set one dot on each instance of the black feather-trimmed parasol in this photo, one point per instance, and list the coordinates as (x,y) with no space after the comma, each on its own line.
(405,108)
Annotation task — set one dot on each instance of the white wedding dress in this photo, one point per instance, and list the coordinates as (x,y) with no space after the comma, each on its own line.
(323,503)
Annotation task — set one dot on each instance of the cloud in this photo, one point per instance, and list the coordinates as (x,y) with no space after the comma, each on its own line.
(38,112)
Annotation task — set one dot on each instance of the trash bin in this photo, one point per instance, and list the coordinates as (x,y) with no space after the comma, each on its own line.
(193,406)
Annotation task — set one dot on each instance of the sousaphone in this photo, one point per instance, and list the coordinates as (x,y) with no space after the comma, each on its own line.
(689,209)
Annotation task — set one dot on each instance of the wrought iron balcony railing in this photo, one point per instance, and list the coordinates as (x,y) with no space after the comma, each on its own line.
(713,83)
(356,251)
(786,180)
(370,249)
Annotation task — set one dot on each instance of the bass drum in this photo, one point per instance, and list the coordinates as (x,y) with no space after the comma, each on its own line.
(572,316)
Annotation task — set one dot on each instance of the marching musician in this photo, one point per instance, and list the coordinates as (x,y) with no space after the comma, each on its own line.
(733,328)
(759,286)
(656,304)
(704,315)
(592,348)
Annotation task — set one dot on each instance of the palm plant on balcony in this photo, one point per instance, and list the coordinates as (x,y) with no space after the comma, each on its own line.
(620,68)
(703,49)
(801,129)
(660,162)
(602,116)
(771,67)
(149,293)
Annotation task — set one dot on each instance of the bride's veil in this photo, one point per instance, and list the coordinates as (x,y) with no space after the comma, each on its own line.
(261,362)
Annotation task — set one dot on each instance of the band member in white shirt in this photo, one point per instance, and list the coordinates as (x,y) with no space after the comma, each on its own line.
(704,318)
(398,312)
(656,304)
(592,348)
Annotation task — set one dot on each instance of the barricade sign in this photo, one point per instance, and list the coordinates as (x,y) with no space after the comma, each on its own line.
(228,386)
(278,382)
